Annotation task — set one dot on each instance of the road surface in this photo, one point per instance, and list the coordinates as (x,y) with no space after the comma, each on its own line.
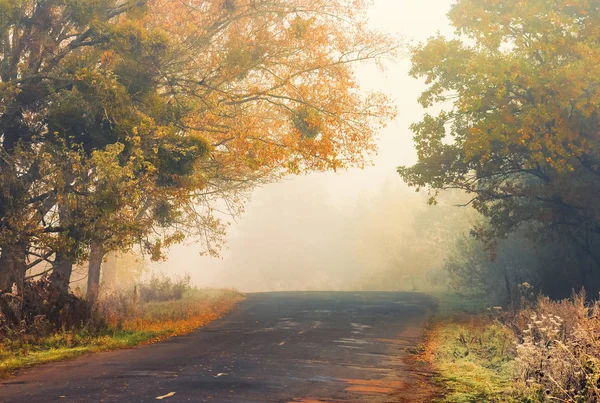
(275,347)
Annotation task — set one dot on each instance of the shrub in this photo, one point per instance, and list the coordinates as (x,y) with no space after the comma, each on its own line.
(163,288)
(42,311)
(118,304)
(559,356)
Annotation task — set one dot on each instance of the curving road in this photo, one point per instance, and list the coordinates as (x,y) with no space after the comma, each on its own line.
(275,347)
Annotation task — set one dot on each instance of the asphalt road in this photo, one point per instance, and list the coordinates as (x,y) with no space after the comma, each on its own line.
(275,347)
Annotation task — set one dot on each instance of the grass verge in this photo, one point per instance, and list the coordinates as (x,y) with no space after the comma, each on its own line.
(471,353)
(145,323)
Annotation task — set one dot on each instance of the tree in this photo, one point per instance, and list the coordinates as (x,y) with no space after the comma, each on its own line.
(131,122)
(85,142)
(519,122)
(48,48)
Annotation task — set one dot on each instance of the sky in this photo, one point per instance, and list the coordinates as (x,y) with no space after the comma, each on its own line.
(292,234)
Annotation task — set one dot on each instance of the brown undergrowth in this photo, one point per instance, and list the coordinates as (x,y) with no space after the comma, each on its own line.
(122,321)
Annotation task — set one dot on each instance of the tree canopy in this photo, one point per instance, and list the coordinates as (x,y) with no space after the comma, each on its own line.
(127,122)
(516,122)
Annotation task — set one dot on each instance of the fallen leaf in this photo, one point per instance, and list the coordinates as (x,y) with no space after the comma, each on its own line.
(165,396)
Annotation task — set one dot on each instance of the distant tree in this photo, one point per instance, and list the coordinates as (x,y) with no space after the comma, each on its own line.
(403,242)
(517,123)
(472,271)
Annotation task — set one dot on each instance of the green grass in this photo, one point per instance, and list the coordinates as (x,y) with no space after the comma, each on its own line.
(472,354)
(452,304)
(56,348)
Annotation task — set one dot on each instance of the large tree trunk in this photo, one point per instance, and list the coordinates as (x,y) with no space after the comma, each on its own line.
(63,264)
(13,267)
(61,272)
(93,283)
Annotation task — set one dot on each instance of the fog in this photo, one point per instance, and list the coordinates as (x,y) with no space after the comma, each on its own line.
(334,230)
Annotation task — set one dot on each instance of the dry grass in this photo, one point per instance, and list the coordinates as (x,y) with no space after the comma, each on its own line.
(559,353)
(174,317)
(549,351)
(130,323)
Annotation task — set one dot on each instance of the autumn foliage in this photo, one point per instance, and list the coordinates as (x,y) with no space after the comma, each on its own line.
(516,122)
(131,123)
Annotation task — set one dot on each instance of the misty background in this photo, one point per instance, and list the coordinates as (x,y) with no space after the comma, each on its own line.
(338,230)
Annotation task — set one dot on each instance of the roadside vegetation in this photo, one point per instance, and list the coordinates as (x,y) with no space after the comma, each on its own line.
(121,319)
(472,354)
(547,351)
(515,125)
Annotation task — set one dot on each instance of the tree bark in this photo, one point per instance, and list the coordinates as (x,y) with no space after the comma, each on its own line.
(63,264)
(93,281)
(61,272)
(13,267)
(109,271)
